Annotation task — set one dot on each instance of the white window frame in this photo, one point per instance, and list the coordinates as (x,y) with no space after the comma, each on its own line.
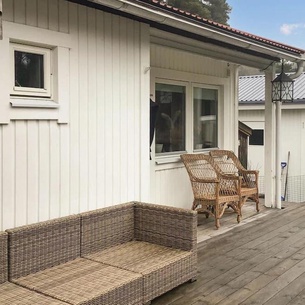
(174,157)
(63,58)
(45,92)
(212,87)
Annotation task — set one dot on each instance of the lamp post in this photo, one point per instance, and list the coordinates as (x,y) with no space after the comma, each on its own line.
(282,91)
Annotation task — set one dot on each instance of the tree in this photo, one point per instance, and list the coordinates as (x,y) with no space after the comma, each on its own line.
(216,10)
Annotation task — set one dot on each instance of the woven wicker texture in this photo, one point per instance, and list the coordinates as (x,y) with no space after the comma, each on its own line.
(87,283)
(213,191)
(228,163)
(107,227)
(162,268)
(42,245)
(3,258)
(166,226)
(11,294)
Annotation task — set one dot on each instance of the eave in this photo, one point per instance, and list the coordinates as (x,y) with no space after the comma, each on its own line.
(173,27)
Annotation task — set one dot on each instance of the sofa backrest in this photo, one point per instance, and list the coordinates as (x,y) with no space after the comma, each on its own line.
(106,227)
(39,246)
(3,257)
(166,226)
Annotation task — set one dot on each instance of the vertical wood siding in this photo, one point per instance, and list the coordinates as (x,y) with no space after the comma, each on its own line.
(49,169)
(173,188)
(169,58)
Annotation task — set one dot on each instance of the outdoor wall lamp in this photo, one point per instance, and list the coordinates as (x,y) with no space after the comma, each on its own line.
(282,88)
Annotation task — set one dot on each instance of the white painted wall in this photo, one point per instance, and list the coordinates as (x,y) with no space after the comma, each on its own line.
(170,183)
(100,157)
(93,150)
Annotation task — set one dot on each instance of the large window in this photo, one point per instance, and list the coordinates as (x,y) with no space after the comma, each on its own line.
(170,123)
(205,118)
(31,70)
(187,118)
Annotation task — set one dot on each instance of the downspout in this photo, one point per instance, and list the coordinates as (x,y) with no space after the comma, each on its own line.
(299,71)
(1,29)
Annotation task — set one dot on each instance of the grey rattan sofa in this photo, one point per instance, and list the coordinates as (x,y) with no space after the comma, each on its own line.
(126,254)
(155,241)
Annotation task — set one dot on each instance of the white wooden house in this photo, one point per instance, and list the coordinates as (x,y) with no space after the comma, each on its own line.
(251,112)
(76,79)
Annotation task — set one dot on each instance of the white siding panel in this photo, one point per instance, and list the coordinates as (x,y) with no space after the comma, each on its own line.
(74,112)
(21,172)
(100,110)
(8,10)
(44,170)
(42,14)
(173,188)
(33,171)
(54,169)
(20,11)
(169,58)
(83,107)
(123,74)
(64,191)
(8,174)
(53,15)
(31,12)
(116,119)
(92,106)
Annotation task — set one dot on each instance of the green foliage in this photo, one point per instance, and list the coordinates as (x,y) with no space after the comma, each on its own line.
(216,10)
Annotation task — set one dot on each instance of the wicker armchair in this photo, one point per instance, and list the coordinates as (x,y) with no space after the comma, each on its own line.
(228,163)
(213,191)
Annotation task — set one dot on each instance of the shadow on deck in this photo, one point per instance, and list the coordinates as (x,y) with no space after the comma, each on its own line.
(259,261)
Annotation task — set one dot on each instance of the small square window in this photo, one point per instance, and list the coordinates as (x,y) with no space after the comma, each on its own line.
(257,137)
(31,71)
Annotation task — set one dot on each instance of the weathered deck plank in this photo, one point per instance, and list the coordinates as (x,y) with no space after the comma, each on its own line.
(261,261)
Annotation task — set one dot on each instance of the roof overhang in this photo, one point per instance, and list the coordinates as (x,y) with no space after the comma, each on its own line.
(176,30)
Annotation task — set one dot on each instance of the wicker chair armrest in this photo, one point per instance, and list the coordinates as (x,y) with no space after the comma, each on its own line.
(204,180)
(230,177)
(166,226)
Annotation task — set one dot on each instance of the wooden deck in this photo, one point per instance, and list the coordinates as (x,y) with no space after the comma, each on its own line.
(259,261)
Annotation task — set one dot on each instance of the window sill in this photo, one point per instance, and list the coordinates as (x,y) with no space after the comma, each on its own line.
(33,103)
(167,159)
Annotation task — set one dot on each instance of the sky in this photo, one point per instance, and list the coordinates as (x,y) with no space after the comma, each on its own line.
(279,20)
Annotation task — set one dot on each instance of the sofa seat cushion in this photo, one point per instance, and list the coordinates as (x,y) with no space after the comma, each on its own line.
(11,294)
(83,282)
(163,268)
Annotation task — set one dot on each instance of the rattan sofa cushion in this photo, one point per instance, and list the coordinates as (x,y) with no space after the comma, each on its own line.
(11,294)
(163,268)
(85,282)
